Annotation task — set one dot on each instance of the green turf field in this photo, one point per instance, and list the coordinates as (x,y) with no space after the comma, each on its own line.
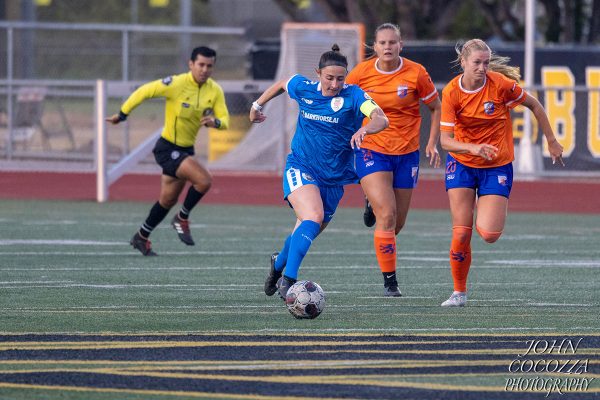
(67,271)
(67,267)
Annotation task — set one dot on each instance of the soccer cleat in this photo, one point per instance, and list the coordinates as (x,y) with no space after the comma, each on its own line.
(391,291)
(283,285)
(368,216)
(274,275)
(141,244)
(182,227)
(457,299)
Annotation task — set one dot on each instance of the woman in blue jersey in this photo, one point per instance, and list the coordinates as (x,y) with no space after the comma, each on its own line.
(320,163)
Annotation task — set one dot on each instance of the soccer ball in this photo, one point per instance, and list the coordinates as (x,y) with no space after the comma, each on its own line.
(305,300)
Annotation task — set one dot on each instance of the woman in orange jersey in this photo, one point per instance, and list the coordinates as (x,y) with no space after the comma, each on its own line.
(476,130)
(388,165)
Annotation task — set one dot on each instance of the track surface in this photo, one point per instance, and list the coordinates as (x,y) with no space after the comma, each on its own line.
(536,196)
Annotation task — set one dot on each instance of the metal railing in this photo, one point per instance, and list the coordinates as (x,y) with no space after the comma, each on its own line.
(93,51)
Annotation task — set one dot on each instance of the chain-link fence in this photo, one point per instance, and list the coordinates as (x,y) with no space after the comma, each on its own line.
(47,93)
(48,77)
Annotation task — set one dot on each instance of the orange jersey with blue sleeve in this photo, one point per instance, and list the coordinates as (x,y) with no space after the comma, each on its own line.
(482,116)
(398,93)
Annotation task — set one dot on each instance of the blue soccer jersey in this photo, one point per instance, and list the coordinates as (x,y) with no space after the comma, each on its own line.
(325,126)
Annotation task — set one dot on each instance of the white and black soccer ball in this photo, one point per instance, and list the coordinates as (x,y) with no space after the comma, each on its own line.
(305,300)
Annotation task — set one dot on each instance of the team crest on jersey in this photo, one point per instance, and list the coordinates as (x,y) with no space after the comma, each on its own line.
(337,103)
(185,105)
(167,81)
(488,107)
(175,154)
(402,91)
(502,180)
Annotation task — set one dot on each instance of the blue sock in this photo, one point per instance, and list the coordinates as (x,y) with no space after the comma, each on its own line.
(301,240)
(283,255)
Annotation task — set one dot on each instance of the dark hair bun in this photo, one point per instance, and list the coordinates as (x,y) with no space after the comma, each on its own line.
(335,47)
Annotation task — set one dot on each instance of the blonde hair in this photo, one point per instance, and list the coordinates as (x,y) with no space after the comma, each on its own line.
(382,27)
(497,63)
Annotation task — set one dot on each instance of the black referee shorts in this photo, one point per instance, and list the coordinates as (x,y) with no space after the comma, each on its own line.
(169,156)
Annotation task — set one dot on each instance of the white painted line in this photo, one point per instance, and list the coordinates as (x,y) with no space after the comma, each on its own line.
(62,242)
(559,305)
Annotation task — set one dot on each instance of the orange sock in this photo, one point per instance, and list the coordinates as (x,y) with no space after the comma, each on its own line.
(385,250)
(460,256)
(489,237)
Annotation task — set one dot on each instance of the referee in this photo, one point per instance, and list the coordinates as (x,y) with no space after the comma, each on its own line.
(193,99)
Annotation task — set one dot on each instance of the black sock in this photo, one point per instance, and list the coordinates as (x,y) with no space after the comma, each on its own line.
(191,199)
(157,214)
(184,213)
(389,279)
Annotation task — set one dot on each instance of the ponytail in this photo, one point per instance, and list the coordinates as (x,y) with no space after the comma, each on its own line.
(497,63)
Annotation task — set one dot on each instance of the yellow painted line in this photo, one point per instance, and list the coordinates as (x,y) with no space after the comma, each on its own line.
(303,379)
(81,345)
(205,395)
(156,372)
(337,380)
(282,378)
(408,364)
(236,363)
(258,365)
(357,380)
(5,346)
(383,332)
(247,343)
(309,380)
(514,352)
(470,374)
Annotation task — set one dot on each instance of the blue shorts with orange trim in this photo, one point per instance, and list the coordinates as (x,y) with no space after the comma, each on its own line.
(495,180)
(405,167)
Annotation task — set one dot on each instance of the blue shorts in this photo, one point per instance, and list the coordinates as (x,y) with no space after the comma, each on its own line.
(405,167)
(295,176)
(495,180)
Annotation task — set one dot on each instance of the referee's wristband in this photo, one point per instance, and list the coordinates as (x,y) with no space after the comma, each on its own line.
(122,116)
(257,106)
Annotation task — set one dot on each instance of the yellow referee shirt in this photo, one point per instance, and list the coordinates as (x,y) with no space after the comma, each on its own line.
(185,104)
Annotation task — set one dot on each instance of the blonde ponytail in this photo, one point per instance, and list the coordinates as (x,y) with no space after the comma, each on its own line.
(497,63)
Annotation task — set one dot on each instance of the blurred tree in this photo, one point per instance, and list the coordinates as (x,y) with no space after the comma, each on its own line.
(113,11)
(560,21)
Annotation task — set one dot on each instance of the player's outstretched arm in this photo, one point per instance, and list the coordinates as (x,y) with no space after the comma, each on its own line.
(256,114)
(116,118)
